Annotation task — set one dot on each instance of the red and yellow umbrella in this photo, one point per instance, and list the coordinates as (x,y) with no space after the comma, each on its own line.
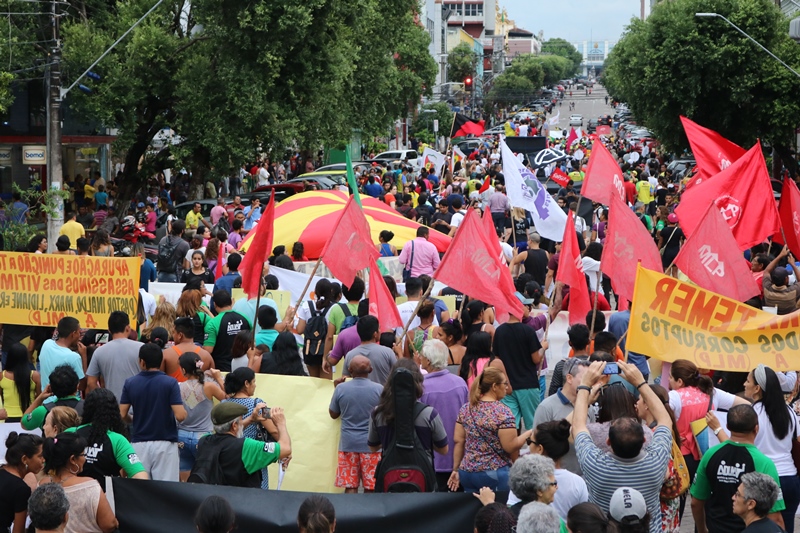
(310,218)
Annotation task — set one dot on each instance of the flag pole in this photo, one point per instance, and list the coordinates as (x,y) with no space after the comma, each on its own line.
(422,299)
(255,318)
(453,125)
(594,306)
(308,283)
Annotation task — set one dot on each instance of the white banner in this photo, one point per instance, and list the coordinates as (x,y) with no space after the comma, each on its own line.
(431,159)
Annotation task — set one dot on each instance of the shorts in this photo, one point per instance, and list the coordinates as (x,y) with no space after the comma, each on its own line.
(160,459)
(187,448)
(523,404)
(355,467)
(312,359)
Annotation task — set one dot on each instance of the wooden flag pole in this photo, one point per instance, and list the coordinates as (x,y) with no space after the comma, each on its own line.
(255,318)
(414,314)
(308,283)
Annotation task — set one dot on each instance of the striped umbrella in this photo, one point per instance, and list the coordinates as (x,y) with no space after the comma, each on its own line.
(310,218)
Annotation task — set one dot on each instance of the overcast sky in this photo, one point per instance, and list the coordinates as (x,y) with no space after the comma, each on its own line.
(574,20)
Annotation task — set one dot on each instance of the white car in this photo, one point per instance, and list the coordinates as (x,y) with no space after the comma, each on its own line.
(497,130)
(576,120)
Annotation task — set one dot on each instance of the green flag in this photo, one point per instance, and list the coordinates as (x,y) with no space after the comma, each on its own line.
(351,177)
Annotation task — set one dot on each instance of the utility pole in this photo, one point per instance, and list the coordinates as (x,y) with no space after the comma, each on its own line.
(54,163)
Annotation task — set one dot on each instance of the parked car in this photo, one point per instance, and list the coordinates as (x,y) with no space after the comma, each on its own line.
(183,208)
(396,155)
(343,166)
(497,130)
(680,167)
(470,145)
(339,177)
(320,181)
(282,191)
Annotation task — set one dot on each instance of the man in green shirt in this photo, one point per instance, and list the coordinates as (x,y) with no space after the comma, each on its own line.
(337,316)
(64,387)
(226,458)
(720,471)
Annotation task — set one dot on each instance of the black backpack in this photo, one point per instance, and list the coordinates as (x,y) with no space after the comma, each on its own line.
(405,465)
(207,468)
(315,333)
(349,319)
(166,255)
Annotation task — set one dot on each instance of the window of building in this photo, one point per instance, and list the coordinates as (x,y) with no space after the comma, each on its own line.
(473,10)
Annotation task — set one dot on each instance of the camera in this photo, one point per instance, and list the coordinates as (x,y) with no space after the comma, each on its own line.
(611,368)
(265,412)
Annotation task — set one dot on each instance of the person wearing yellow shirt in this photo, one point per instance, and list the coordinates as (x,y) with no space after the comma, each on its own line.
(73,230)
(88,193)
(193,220)
(643,191)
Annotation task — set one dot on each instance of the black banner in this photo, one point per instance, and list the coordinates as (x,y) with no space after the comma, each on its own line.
(143,505)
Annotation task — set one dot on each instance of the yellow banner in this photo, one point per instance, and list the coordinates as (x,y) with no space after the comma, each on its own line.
(283,299)
(671,319)
(40,289)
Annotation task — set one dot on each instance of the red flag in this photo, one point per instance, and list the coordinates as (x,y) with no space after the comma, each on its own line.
(381,303)
(627,243)
(253,262)
(711,258)
(572,137)
(743,194)
(486,185)
(603,176)
(713,152)
(350,247)
(472,266)
(603,130)
(559,177)
(790,216)
(570,271)
(220,258)
(463,126)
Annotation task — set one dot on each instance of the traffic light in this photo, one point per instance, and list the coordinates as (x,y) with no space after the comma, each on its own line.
(468,84)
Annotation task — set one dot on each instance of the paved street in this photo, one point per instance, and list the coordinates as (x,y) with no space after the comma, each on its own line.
(591,106)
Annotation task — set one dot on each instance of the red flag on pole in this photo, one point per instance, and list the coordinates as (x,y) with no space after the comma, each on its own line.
(472,266)
(381,303)
(220,260)
(713,152)
(603,176)
(570,271)
(711,258)
(560,177)
(350,247)
(790,216)
(572,137)
(743,194)
(486,184)
(253,262)
(627,243)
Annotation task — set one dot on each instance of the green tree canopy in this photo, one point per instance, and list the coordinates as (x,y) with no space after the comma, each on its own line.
(677,64)
(563,48)
(519,82)
(555,68)
(461,63)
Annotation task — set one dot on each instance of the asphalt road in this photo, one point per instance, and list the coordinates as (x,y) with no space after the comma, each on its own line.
(592,106)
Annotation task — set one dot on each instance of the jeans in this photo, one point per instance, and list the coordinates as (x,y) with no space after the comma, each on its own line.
(168,277)
(497,480)
(790,487)
(188,448)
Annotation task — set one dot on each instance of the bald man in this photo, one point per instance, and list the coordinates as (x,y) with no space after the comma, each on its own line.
(353,402)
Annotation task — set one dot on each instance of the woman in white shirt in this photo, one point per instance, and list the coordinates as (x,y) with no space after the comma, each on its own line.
(777,428)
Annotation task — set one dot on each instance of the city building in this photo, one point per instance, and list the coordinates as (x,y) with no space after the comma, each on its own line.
(594,55)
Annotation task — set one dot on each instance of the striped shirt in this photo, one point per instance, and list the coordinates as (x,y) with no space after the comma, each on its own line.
(604,473)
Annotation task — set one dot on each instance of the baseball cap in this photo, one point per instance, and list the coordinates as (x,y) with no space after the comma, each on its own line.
(625,502)
(140,204)
(521,298)
(224,412)
(672,218)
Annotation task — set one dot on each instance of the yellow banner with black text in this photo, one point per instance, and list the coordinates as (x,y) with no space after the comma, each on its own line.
(40,289)
(671,319)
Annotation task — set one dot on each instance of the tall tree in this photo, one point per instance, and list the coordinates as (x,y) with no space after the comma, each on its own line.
(675,63)
(461,63)
(562,47)
(519,82)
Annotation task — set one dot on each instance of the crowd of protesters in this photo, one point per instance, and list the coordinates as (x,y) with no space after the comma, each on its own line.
(608,446)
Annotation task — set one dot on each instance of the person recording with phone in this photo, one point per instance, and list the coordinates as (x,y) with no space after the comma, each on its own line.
(227,457)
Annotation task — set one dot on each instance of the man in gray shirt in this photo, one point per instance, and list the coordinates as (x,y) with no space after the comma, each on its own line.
(354,401)
(560,405)
(380,357)
(117,360)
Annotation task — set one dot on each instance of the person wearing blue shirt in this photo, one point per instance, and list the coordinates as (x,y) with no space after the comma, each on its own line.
(373,188)
(19,209)
(618,325)
(252,214)
(227,282)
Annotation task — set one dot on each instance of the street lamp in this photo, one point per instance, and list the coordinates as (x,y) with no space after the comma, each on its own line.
(740,30)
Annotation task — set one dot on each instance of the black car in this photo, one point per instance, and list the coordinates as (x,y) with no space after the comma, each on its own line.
(592,126)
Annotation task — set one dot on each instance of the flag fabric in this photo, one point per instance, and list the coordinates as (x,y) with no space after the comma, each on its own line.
(627,243)
(220,260)
(433,161)
(350,247)
(253,263)
(381,303)
(463,126)
(603,177)
(571,138)
(560,177)
(351,177)
(457,156)
(509,130)
(486,184)
(743,194)
(570,272)
(472,266)
(524,190)
(603,130)
(713,152)
(554,120)
(711,258)
(789,211)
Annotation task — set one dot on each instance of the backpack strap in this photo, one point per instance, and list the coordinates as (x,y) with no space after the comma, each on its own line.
(346,310)
(313,309)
